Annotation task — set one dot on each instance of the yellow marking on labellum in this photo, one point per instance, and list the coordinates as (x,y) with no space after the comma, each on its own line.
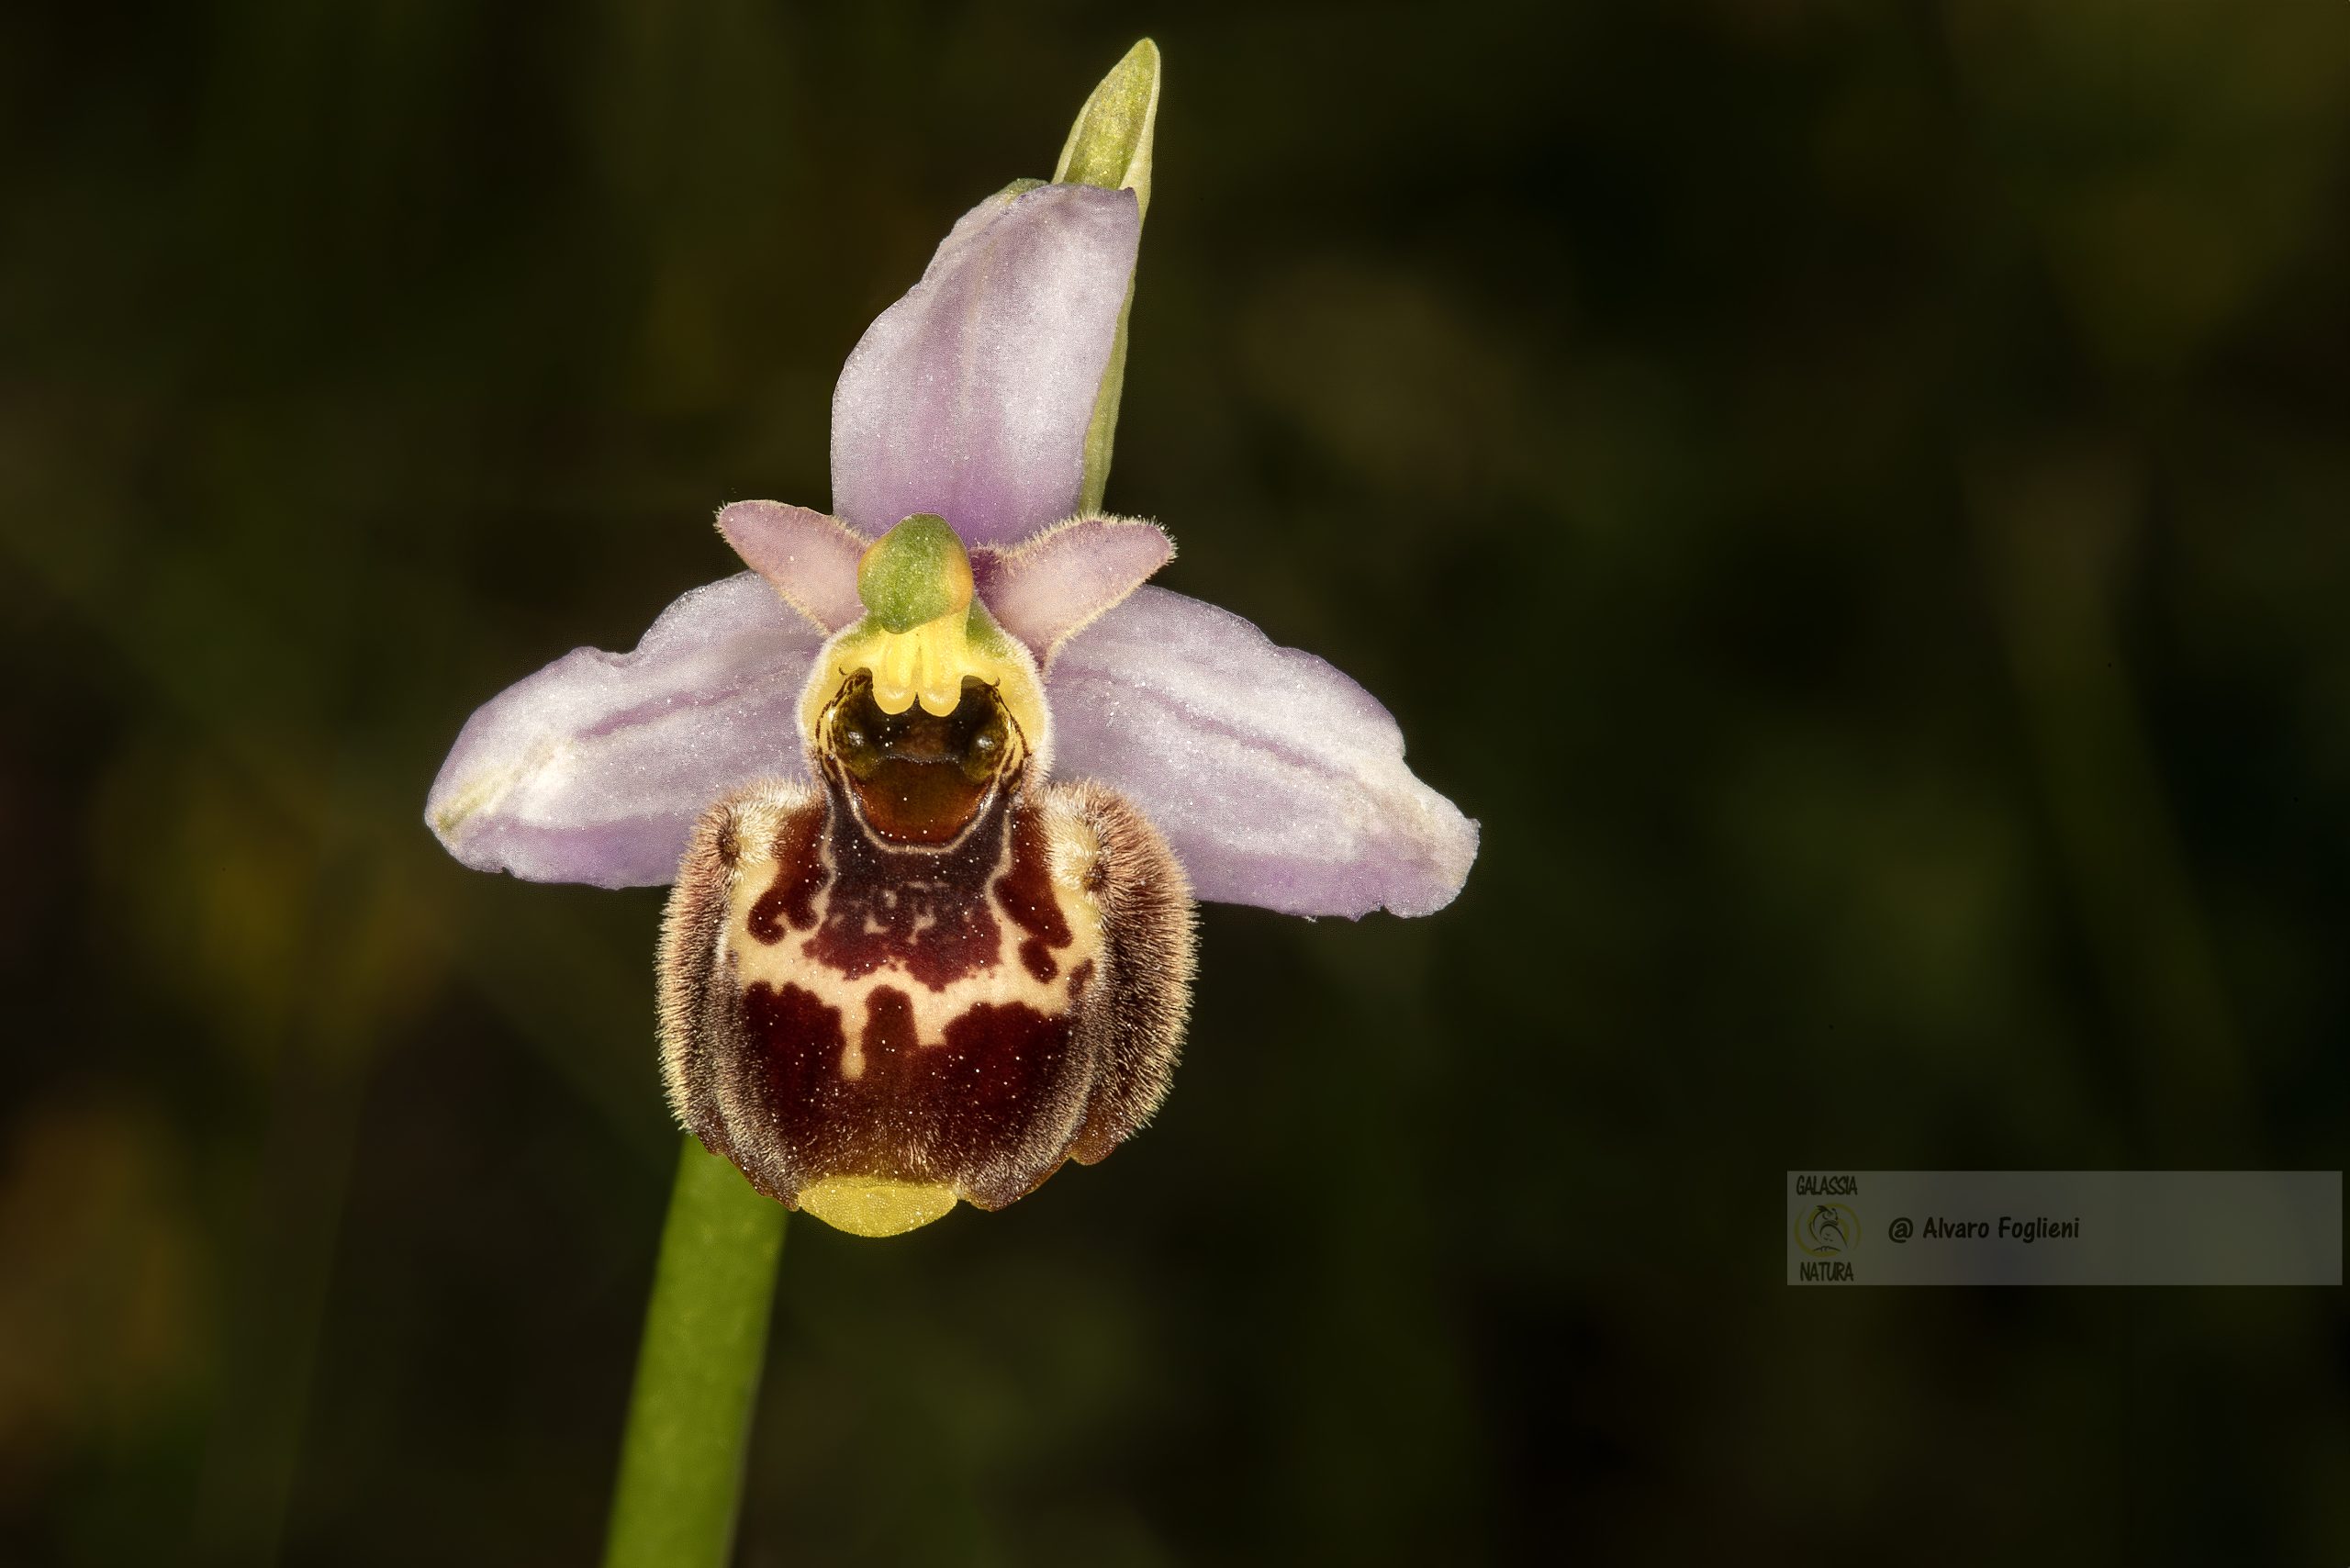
(1076,852)
(875,1206)
(1084,925)
(1005,980)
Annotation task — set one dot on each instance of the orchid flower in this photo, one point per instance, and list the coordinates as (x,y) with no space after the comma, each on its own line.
(938,779)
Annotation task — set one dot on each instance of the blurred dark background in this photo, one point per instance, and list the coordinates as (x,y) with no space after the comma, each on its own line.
(1850,495)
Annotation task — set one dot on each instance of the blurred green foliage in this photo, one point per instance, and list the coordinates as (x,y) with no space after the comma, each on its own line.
(1850,495)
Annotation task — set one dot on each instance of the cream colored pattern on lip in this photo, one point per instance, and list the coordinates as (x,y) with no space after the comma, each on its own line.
(1071,850)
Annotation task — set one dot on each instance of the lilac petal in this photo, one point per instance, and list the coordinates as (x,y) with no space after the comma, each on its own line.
(970,397)
(1277,780)
(810,558)
(1050,587)
(594,769)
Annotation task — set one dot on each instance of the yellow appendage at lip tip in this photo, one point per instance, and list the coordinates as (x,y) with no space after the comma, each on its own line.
(875,1206)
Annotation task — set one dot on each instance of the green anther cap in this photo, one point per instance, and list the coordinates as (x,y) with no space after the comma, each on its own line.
(914,574)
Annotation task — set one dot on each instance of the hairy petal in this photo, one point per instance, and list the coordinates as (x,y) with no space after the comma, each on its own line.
(1277,780)
(970,397)
(595,768)
(810,558)
(1046,590)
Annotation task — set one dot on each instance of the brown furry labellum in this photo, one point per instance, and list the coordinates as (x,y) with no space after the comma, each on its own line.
(923,978)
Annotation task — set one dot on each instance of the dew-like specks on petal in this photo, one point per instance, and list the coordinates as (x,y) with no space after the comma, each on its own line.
(810,558)
(595,768)
(1277,780)
(970,397)
(1047,589)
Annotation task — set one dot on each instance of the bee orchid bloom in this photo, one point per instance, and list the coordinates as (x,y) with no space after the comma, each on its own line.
(937,779)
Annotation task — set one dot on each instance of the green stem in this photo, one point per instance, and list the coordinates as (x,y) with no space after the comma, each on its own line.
(698,1372)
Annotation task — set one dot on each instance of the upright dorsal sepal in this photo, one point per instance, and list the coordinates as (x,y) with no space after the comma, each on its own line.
(1109,144)
(1109,147)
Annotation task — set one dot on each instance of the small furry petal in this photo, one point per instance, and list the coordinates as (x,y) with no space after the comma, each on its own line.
(1048,588)
(809,557)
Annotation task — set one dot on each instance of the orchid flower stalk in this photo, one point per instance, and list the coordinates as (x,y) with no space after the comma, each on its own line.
(937,781)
